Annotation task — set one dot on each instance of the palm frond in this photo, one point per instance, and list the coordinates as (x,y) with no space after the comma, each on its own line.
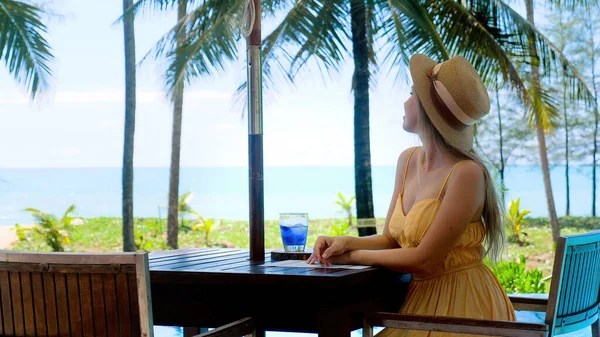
(156,6)
(549,58)
(68,215)
(293,30)
(43,219)
(210,32)
(547,106)
(408,28)
(23,46)
(320,33)
(467,32)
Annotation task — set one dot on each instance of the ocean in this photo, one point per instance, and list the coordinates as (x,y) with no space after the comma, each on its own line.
(222,192)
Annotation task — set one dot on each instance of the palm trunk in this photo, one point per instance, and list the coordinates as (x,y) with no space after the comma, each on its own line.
(172,223)
(595,151)
(362,146)
(566,117)
(539,129)
(128,142)
(501,141)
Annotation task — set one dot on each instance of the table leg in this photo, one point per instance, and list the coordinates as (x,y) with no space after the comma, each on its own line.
(334,323)
(259,333)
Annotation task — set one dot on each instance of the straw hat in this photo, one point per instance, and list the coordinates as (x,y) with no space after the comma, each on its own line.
(453,96)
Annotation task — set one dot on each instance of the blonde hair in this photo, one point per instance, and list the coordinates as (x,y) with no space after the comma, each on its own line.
(493,213)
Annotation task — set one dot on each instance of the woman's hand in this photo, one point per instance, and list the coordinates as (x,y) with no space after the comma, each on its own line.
(326,247)
(349,257)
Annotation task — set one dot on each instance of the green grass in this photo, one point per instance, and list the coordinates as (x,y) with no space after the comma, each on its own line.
(104,234)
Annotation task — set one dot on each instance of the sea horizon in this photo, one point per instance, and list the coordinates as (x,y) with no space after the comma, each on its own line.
(222,191)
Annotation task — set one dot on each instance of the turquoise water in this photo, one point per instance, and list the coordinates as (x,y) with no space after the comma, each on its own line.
(522,316)
(223,192)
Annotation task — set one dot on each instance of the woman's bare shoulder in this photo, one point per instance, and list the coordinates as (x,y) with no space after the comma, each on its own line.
(468,175)
(403,158)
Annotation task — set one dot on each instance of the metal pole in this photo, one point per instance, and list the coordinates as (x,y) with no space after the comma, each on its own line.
(255,139)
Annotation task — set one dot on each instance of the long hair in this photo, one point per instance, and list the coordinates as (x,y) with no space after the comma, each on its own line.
(493,214)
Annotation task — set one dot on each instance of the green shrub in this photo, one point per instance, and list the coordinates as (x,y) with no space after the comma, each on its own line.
(516,280)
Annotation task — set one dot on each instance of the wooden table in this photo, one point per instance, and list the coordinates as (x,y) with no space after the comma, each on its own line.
(212,287)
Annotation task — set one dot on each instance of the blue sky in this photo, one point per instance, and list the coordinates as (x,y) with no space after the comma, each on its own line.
(79,123)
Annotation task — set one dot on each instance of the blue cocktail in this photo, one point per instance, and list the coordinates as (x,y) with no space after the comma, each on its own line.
(294,230)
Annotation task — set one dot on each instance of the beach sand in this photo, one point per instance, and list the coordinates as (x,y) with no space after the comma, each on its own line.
(8,236)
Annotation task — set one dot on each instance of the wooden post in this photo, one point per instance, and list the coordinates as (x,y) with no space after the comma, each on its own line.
(255,138)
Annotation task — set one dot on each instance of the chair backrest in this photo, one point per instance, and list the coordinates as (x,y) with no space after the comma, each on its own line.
(75,294)
(574,299)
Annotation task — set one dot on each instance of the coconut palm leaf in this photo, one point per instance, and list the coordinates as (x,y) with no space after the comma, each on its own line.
(518,32)
(23,47)
(406,27)
(481,39)
(210,41)
(548,107)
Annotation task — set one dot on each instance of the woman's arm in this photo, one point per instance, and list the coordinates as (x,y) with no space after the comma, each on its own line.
(464,196)
(327,246)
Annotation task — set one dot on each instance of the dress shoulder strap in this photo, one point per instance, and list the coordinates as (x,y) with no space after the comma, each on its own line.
(447,178)
(406,169)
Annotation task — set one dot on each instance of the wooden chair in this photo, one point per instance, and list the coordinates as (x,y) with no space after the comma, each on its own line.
(75,294)
(573,302)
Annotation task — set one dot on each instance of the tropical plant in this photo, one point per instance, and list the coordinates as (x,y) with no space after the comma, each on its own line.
(53,231)
(128,142)
(516,279)
(346,206)
(339,228)
(23,45)
(205,226)
(184,208)
(515,218)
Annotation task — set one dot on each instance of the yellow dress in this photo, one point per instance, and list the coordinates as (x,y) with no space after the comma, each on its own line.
(461,285)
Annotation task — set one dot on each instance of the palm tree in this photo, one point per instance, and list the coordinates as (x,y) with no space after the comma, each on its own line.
(494,37)
(197,45)
(128,144)
(23,47)
(172,224)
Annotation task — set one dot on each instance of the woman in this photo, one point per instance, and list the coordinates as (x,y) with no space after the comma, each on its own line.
(444,216)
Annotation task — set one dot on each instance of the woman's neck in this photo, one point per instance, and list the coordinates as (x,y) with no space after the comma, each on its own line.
(435,157)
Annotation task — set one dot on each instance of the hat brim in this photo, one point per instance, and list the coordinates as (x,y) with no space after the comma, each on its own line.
(419,65)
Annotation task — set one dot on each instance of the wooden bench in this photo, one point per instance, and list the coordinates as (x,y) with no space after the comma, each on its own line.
(573,302)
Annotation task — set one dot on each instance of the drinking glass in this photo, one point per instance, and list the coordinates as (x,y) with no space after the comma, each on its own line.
(294,230)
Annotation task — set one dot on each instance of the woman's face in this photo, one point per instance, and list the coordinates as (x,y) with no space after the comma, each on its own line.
(411,113)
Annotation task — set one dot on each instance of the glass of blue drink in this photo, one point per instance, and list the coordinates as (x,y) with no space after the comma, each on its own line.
(294,230)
